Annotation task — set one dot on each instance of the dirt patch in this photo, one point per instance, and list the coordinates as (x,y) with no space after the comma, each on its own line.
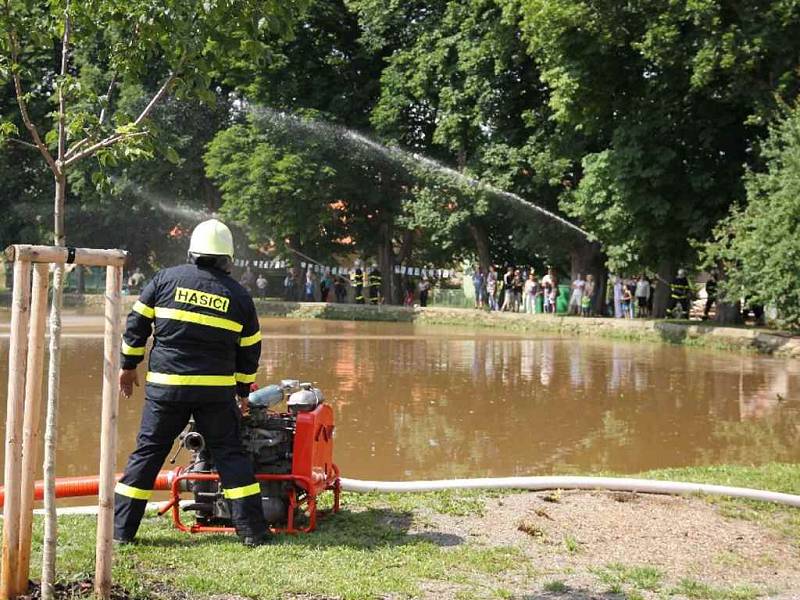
(84,589)
(591,543)
(76,589)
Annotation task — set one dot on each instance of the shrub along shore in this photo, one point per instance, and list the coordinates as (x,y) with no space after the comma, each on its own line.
(690,333)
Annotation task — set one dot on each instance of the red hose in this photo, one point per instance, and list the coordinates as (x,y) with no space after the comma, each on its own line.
(75,487)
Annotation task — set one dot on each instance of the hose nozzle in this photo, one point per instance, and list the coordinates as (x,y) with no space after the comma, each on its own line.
(193,441)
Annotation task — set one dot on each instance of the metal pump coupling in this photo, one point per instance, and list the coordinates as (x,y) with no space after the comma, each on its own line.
(193,441)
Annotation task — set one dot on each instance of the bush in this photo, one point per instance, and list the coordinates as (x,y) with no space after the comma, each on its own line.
(759,244)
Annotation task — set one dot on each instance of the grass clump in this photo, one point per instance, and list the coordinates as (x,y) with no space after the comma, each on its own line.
(557,587)
(618,576)
(571,544)
(697,590)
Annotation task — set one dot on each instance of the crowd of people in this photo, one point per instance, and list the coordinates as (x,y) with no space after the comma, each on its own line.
(508,289)
(519,289)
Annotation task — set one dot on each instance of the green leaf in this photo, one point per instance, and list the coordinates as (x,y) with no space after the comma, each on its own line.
(172,155)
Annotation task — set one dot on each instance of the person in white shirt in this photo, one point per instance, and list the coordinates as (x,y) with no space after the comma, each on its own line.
(529,293)
(577,295)
(642,295)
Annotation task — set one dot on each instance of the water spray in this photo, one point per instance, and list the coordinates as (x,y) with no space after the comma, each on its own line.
(405,157)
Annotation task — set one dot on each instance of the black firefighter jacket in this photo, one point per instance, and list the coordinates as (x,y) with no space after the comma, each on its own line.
(207,339)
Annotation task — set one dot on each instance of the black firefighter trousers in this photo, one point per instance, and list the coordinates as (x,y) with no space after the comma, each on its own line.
(162,422)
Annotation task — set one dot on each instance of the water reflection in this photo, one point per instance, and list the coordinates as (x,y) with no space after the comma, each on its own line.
(417,402)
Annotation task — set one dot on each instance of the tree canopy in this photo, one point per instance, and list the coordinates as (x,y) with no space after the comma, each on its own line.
(638,121)
(758,245)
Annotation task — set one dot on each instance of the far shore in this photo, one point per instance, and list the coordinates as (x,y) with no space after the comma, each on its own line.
(701,334)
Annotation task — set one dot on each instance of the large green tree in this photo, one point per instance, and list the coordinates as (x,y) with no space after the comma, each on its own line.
(671,97)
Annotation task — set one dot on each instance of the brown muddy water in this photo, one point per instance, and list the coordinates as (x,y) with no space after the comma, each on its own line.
(420,402)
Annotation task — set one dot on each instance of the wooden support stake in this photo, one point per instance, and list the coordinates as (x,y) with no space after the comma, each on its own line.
(61,255)
(32,420)
(108,432)
(18,345)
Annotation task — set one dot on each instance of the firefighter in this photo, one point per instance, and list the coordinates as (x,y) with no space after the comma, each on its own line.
(207,343)
(357,281)
(680,292)
(375,285)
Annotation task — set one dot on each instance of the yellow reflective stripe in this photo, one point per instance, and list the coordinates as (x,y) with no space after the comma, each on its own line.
(144,310)
(193,317)
(132,350)
(245,377)
(132,492)
(242,492)
(250,339)
(170,379)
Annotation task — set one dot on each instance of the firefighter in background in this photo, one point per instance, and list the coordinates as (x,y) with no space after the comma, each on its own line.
(207,343)
(357,281)
(375,294)
(680,295)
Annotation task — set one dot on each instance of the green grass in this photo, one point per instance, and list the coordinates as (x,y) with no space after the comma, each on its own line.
(572,545)
(363,552)
(617,576)
(376,547)
(697,590)
(558,587)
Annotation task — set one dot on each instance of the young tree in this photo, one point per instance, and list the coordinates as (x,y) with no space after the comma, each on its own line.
(173,46)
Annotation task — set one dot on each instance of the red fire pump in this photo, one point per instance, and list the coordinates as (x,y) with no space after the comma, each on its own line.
(292,453)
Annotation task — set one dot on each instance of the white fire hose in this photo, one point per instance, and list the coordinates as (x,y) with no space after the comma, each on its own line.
(618,484)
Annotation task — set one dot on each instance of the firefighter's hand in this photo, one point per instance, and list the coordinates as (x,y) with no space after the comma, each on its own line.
(127,379)
(244,407)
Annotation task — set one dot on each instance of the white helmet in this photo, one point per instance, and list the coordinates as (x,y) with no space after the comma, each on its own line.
(211,238)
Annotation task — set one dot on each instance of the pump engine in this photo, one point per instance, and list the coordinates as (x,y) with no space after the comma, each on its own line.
(292,454)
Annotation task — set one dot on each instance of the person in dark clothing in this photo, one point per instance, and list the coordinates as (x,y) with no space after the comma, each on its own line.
(711,293)
(680,295)
(357,280)
(375,285)
(424,289)
(207,344)
(339,289)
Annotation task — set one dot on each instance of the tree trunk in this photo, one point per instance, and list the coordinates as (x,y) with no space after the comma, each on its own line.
(481,245)
(51,420)
(80,279)
(386,261)
(403,255)
(666,272)
(729,313)
(587,258)
(212,199)
(299,275)
(9,276)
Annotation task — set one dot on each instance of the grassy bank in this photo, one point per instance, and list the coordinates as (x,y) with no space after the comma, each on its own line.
(689,333)
(464,545)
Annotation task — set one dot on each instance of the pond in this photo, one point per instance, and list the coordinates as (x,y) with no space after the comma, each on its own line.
(421,402)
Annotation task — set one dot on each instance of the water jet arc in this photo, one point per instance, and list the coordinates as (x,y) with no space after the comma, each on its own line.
(402,156)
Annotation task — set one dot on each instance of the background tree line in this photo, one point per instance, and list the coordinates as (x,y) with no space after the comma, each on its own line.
(667,130)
